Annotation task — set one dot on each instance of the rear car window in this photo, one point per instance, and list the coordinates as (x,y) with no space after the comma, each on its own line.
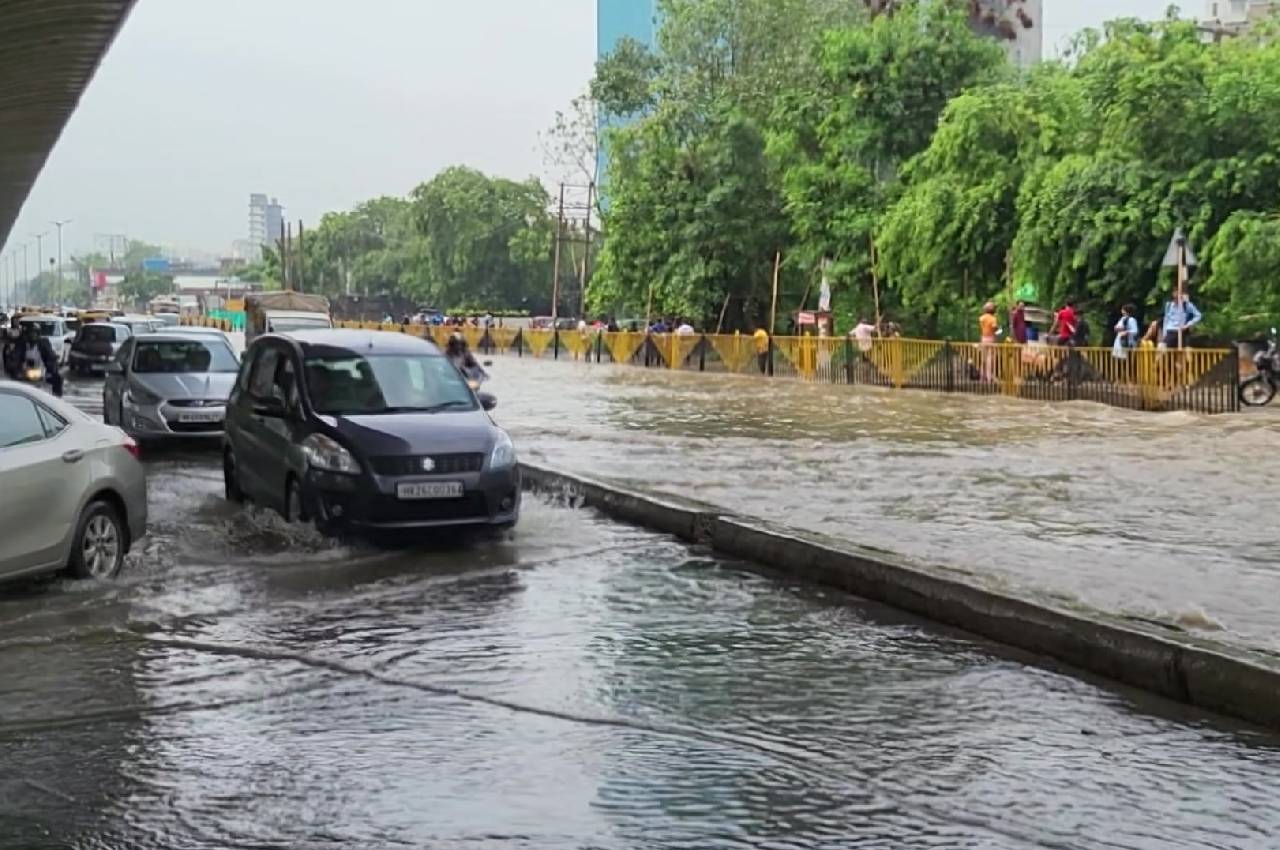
(97,333)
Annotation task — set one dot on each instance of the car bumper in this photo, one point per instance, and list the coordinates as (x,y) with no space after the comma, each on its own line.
(161,421)
(88,362)
(490,498)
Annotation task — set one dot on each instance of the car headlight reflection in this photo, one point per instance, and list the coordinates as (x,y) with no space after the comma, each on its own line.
(504,452)
(137,395)
(327,454)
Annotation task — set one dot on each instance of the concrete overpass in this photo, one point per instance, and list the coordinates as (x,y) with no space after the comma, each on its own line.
(49,50)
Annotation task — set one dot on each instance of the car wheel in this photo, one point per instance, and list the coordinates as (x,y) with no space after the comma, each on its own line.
(294,507)
(231,479)
(98,549)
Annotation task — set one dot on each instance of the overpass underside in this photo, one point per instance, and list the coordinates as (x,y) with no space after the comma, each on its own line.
(49,50)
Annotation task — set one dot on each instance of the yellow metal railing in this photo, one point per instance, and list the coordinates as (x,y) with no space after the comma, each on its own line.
(1198,379)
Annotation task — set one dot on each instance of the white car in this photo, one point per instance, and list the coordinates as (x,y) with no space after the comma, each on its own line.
(74,491)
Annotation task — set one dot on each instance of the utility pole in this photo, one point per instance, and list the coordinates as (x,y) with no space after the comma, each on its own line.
(586,256)
(302,260)
(555,274)
(40,252)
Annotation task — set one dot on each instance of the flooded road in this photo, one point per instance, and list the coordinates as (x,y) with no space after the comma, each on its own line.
(1161,516)
(584,684)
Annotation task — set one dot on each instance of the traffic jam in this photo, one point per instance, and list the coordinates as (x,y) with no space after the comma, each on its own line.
(367,433)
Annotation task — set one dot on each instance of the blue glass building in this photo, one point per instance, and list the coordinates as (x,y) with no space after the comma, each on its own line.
(616,20)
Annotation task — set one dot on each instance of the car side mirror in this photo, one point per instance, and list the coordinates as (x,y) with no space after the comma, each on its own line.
(487,400)
(272,408)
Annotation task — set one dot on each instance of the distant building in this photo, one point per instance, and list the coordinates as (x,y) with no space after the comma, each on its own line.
(616,20)
(266,222)
(1017,24)
(1226,18)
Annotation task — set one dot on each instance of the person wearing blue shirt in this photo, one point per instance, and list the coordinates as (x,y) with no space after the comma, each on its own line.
(1180,316)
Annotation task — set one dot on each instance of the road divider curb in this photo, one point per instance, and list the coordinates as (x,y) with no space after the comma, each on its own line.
(1174,665)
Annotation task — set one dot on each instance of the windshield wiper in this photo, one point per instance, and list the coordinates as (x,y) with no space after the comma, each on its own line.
(432,408)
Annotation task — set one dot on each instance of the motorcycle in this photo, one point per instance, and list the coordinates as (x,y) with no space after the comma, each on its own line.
(1259,389)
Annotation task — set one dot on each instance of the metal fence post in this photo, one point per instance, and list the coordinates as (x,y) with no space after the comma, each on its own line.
(702,354)
(1073,374)
(771,356)
(555,342)
(600,347)
(519,342)
(948,363)
(848,360)
(1233,403)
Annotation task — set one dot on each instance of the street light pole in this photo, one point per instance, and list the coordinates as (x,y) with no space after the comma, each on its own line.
(59,224)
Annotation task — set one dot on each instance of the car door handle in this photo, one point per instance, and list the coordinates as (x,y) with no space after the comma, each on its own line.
(73,456)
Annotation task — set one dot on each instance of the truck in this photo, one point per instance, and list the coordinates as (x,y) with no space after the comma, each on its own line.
(281,312)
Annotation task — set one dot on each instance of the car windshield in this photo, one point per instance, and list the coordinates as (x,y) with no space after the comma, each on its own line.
(183,357)
(291,323)
(349,385)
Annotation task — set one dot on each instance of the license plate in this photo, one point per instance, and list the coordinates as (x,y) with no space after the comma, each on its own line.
(430,490)
(199,417)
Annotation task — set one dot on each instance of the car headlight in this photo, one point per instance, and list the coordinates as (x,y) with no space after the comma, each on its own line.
(329,455)
(504,452)
(138,395)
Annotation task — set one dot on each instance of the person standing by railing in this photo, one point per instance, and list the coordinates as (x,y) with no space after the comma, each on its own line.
(988,328)
(1018,323)
(761,338)
(1180,316)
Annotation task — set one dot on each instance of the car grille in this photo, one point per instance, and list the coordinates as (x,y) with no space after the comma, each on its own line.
(194,427)
(197,402)
(391,509)
(412,464)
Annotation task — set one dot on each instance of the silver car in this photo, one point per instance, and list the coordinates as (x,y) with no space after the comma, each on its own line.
(164,385)
(75,494)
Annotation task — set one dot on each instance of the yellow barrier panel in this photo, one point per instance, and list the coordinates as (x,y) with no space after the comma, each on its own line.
(623,345)
(575,343)
(674,349)
(801,352)
(473,336)
(538,340)
(502,338)
(737,352)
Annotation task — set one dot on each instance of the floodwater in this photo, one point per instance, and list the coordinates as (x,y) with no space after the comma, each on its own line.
(1166,517)
(247,684)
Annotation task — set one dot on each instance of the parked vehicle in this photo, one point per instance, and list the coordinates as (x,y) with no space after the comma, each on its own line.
(75,495)
(1258,390)
(282,312)
(166,385)
(366,430)
(94,346)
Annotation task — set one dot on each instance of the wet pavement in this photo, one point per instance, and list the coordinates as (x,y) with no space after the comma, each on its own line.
(581,685)
(1160,516)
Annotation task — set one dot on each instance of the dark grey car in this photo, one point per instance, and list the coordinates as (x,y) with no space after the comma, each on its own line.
(369,430)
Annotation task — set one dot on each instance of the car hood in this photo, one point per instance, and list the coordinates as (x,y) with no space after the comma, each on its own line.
(195,385)
(392,434)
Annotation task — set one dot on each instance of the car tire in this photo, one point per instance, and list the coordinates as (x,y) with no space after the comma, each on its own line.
(100,543)
(232,490)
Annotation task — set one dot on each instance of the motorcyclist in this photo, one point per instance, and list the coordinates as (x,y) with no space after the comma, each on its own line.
(33,349)
(463,360)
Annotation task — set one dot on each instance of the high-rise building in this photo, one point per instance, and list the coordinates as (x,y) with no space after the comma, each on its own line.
(615,21)
(266,222)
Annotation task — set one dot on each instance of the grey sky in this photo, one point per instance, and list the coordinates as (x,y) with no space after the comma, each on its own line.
(324,103)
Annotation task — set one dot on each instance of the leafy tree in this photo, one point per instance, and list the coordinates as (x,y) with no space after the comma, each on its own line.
(139,287)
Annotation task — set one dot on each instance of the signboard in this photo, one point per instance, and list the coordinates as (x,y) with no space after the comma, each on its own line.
(99,281)
(155,264)
(807,318)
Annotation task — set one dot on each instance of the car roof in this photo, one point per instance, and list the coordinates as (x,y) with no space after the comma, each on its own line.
(178,336)
(359,342)
(39,317)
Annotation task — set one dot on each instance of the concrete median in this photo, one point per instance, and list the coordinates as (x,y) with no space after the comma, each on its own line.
(1165,662)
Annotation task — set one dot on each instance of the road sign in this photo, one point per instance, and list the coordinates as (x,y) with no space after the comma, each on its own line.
(1171,258)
